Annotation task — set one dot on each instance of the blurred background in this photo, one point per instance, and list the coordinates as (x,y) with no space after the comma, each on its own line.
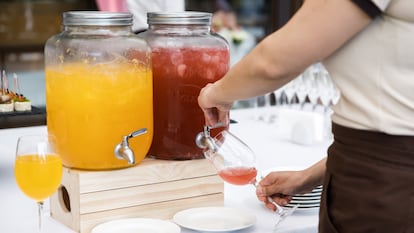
(25,25)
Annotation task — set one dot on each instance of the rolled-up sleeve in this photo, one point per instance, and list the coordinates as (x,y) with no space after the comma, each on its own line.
(373,8)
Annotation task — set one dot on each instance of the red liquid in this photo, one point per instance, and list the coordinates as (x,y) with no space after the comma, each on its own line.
(178,76)
(238,175)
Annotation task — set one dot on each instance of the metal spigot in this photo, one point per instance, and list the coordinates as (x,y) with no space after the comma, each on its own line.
(205,141)
(122,149)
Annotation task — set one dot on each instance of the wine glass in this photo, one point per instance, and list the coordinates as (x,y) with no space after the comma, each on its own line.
(235,162)
(38,168)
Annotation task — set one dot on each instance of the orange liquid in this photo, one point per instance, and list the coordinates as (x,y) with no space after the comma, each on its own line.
(90,107)
(37,177)
(238,175)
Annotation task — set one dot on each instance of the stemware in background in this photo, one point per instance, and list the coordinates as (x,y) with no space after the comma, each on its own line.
(289,91)
(300,90)
(327,90)
(278,96)
(38,168)
(313,91)
(266,112)
(235,162)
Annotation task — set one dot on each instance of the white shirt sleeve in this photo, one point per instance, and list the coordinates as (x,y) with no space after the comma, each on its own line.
(381,4)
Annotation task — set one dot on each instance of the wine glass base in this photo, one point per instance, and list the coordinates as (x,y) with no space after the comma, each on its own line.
(282,216)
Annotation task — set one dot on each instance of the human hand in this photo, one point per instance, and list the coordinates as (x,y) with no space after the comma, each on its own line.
(215,111)
(281,186)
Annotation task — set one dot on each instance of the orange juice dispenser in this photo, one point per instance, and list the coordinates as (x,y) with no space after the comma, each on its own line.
(99,91)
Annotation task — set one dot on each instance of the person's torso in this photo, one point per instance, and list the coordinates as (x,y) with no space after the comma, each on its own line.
(375,73)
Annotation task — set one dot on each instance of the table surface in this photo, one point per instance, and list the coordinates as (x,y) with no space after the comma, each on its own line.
(272,147)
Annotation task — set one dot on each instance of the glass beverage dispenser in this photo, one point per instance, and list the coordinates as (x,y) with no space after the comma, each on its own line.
(185,57)
(98,90)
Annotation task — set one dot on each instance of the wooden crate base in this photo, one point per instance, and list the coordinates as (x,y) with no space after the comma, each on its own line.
(152,189)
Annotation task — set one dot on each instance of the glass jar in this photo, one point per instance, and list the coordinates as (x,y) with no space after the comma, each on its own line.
(98,89)
(185,57)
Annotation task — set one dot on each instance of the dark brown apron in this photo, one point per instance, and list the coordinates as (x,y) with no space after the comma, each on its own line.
(369,183)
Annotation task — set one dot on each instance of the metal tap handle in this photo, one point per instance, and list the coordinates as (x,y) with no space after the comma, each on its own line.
(206,131)
(137,133)
(208,128)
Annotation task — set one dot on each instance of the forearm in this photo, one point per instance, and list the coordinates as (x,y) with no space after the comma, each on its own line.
(315,174)
(254,75)
(316,31)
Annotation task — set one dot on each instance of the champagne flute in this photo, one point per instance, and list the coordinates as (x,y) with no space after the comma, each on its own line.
(235,162)
(38,168)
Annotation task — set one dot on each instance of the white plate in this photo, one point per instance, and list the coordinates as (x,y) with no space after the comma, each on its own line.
(295,202)
(133,225)
(317,193)
(304,206)
(304,201)
(214,219)
(299,198)
(304,209)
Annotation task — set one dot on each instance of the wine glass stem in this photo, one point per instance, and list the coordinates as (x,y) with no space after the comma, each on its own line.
(279,209)
(39,213)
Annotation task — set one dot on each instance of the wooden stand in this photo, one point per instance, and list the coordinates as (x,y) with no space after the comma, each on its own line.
(152,189)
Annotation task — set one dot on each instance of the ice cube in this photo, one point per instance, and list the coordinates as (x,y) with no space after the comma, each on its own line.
(215,60)
(181,70)
(209,74)
(177,58)
(205,58)
(222,68)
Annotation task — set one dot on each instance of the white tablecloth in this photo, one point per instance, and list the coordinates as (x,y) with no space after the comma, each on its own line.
(273,149)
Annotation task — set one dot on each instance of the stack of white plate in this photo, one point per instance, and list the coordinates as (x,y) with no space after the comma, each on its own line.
(307,200)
